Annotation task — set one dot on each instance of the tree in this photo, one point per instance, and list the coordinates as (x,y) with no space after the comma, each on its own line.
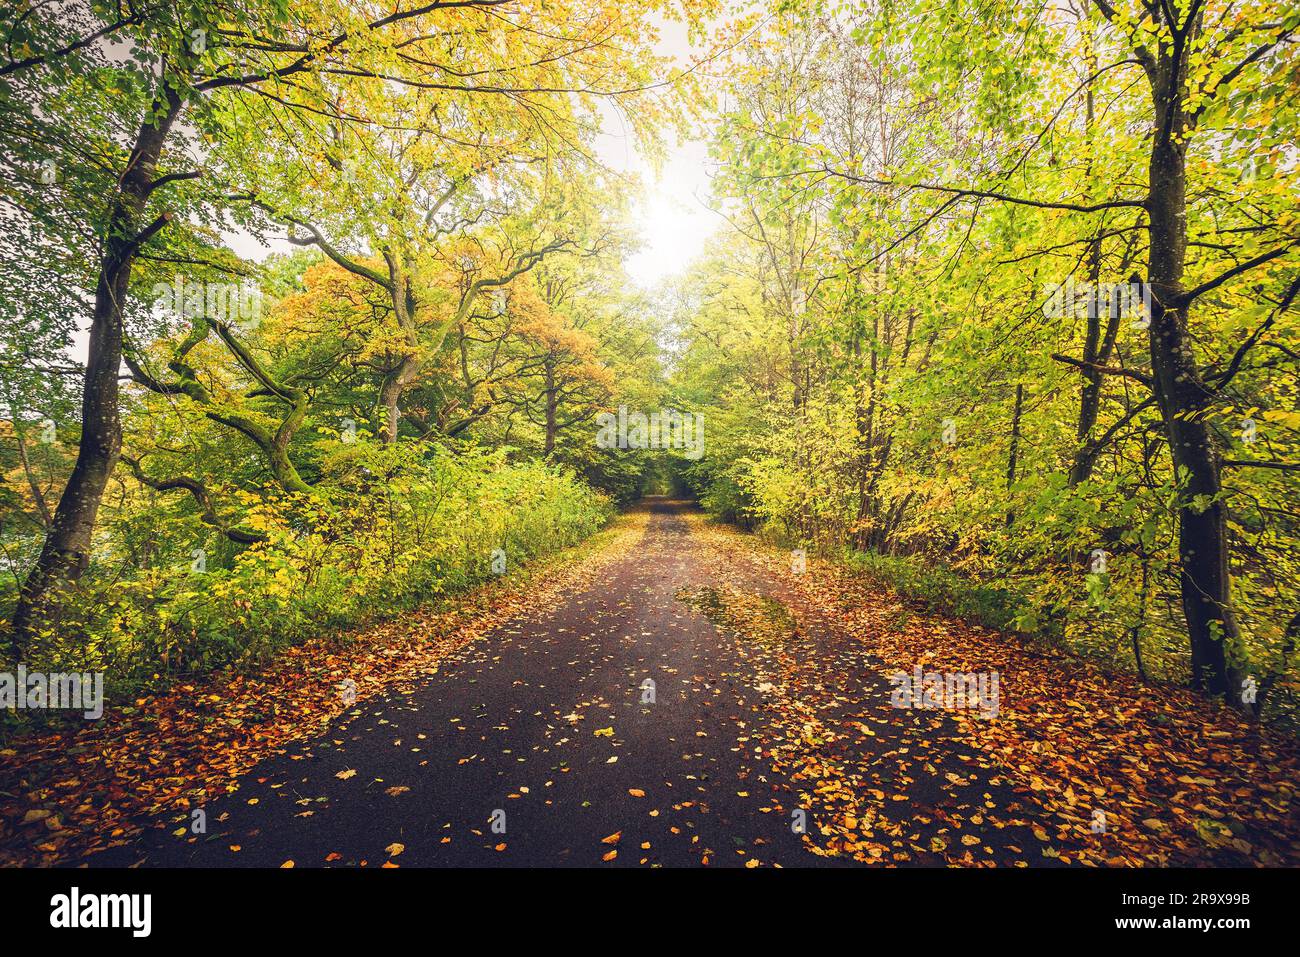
(945,168)
(207,83)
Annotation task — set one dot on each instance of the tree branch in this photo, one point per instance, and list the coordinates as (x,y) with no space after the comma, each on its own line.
(207,514)
(1105,370)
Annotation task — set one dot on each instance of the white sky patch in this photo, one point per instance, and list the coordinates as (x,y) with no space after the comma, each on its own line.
(248,246)
(672,218)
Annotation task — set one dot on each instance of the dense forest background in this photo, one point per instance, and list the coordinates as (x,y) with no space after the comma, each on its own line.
(1001,311)
(395,405)
(1006,314)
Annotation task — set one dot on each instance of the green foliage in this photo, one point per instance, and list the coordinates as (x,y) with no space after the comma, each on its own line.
(870,343)
(939,589)
(402,527)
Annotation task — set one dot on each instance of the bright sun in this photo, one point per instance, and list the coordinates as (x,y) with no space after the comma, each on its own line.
(672,218)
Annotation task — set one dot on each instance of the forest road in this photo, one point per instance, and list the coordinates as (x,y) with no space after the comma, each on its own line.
(630,724)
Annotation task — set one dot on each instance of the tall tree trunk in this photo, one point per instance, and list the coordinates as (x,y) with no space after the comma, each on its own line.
(1182,396)
(66,553)
(1090,394)
(1096,348)
(399,379)
(1014,455)
(552,410)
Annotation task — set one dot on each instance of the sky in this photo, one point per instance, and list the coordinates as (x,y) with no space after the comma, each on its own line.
(672,216)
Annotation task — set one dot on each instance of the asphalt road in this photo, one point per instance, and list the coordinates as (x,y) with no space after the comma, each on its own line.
(539,745)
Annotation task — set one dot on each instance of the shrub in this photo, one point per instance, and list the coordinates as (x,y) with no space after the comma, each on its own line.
(395,528)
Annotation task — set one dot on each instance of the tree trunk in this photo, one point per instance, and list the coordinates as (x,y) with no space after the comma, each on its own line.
(65,555)
(1181,396)
(392,390)
(863,405)
(1096,348)
(1014,455)
(399,380)
(552,402)
(1090,394)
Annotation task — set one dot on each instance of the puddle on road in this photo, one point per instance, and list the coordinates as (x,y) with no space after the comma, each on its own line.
(755,616)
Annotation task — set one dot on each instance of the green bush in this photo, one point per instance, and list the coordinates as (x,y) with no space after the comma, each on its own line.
(395,528)
(942,590)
